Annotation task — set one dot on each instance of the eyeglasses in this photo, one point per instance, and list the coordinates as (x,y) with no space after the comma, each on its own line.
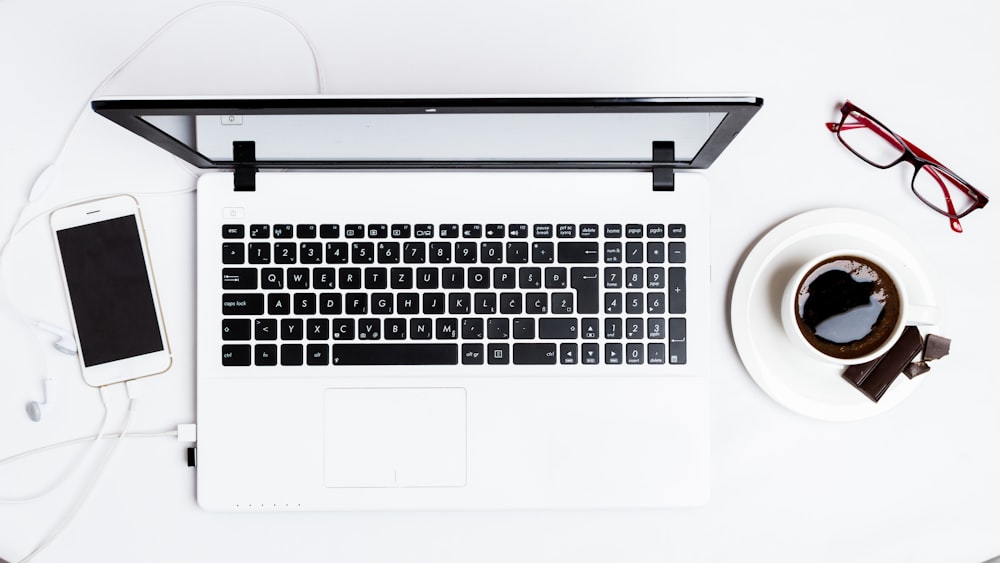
(940,188)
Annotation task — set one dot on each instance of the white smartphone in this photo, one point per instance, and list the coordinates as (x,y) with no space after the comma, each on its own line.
(111,291)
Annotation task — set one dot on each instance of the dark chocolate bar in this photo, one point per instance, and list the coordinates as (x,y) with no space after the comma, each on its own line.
(915,369)
(936,347)
(874,377)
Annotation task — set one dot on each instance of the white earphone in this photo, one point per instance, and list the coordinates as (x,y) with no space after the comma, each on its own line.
(65,344)
(35,409)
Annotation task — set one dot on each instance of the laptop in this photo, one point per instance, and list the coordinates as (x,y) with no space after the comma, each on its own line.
(449,302)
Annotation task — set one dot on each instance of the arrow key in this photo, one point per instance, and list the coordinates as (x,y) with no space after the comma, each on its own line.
(568,353)
(591,354)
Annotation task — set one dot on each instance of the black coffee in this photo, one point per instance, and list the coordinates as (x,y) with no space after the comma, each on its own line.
(847,307)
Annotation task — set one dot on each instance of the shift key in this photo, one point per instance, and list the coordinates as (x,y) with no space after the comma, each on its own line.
(242,303)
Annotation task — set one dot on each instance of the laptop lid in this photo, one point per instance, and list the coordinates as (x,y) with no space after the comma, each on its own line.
(659,134)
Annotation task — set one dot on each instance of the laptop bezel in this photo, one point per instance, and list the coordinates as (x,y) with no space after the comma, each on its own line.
(130,113)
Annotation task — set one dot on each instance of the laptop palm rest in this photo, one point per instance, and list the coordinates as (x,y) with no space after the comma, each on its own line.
(395,437)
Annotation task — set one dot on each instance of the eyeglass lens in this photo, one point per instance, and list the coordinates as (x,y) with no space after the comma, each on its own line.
(869,140)
(940,190)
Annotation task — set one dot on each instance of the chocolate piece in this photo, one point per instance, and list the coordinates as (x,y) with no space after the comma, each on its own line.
(915,369)
(874,377)
(936,347)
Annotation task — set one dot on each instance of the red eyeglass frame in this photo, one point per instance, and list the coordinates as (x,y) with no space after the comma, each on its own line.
(915,156)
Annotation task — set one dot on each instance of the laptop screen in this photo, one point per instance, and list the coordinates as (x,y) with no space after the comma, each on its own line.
(324,132)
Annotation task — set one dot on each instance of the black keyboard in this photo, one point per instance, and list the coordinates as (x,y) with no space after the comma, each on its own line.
(453,294)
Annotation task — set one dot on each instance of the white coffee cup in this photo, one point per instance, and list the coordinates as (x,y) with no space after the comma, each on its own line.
(890,299)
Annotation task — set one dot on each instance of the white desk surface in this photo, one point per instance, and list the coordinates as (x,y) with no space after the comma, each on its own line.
(919,483)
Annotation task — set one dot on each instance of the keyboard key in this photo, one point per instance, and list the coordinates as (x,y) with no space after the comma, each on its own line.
(388,253)
(590,328)
(542,253)
(282,231)
(524,328)
(498,354)
(329,231)
(655,230)
(260,253)
(612,230)
(236,329)
(543,231)
(655,253)
(363,252)
(285,252)
(354,231)
(534,353)
(568,353)
(677,253)
(265,355)
(613,353)
(557,328)
(399,231)
(491,253)
(590,354)
(613,252)
(656,328)
(342,329)
(239,278)
(678,341)
(562,303)
(336,253)
(590,230)
(232,231)
(634,231)
(655,278)
(578,253)
(395,329)
(423,230)
(414,253)
(317,355)
(369,329)
(517,253)
(242,304)
(495,230)
(472,231)
(555,277)
(448,231)
(421,329)
(260,231)
(466,253)
(517,230)
(378,231)
(233,253)
(265,329)
(497,328)
(634,353)
(633,252)
(566,231)
(395,354)
(446,328)
(305,231)
(317,329)
(613,328)
(676,231)
(677,285)
(291,329)
(236,354)
(472,354)
(291,354)
(656,353)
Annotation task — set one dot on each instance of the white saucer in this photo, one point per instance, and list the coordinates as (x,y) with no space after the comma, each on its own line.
(790,376)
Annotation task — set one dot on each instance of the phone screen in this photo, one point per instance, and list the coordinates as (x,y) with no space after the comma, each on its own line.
(110,290)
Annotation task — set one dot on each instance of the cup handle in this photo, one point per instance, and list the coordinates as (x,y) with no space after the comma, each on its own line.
(921,315)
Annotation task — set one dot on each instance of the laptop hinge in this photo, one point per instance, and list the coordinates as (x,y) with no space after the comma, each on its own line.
(244,169)
(663,172)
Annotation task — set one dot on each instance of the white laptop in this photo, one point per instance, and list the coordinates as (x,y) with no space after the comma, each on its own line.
(449,303)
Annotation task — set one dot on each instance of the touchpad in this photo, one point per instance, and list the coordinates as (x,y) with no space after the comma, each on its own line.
(396,437)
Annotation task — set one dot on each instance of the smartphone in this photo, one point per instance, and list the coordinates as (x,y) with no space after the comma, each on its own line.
(111,291)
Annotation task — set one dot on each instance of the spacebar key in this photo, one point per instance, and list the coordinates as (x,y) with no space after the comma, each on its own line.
(395,354)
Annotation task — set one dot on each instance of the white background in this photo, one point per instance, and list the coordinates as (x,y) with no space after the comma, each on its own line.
(919,483)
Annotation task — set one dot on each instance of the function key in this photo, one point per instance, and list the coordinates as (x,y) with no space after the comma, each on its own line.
(232,231)
(260,231)
(449,231)
(494,230)
(565,231)
(282,231)
(329,231)
(517,230)
(676,230)
(305,231)
(612,230)
(378,231)
(543,231)
(423,230)
(400,231)
(655,230)
(634,231)
(472,231)
(354,231)
(589,230)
